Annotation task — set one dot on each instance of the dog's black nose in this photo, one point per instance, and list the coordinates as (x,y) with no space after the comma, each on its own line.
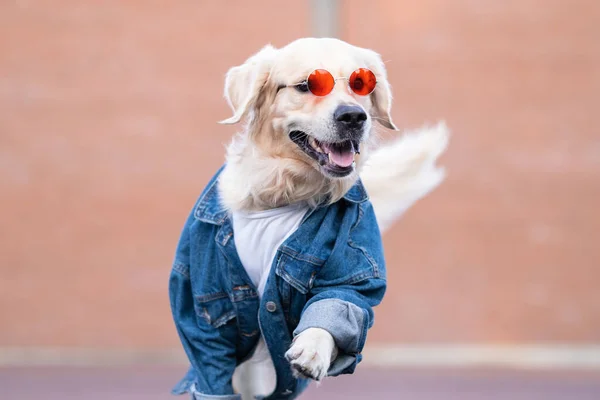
(350,117)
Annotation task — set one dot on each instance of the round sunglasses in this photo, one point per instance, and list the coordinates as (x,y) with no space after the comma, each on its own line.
(320,82)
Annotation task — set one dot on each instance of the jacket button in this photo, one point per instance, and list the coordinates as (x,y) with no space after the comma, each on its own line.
(271,307)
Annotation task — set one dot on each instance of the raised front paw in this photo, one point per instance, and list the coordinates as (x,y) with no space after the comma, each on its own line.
(311,353)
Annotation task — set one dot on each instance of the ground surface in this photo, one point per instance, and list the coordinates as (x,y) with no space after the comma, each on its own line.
(152,383)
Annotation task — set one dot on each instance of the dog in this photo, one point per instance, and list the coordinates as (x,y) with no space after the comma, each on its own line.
(309,142)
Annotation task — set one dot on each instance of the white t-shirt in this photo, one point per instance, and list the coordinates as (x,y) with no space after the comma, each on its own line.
(259,234)
(257,237)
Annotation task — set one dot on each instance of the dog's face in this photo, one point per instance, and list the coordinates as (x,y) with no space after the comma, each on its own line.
(287,120)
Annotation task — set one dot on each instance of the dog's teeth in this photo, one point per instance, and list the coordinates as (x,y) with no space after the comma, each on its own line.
(315,146)
(330,160)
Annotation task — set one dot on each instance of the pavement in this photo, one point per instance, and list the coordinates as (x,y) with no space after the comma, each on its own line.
(153,383)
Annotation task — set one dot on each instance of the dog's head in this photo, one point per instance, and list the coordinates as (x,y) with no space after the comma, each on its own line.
(287,120)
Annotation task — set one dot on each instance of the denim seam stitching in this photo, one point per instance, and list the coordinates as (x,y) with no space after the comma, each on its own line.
(370,259)
(182,268)
(211,296)
(295,283)
(302,257)
(361,212)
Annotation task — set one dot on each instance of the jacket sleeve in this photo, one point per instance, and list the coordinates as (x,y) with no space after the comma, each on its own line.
(211,353)
(344,307)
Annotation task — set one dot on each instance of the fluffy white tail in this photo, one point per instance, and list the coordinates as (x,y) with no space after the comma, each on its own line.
(402,171)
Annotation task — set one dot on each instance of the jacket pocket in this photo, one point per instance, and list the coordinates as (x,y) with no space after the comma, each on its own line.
(216,309)
(295,278)
(297,269)
(351,265)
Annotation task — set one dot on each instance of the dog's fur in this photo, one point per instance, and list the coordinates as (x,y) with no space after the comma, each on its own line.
(266,169)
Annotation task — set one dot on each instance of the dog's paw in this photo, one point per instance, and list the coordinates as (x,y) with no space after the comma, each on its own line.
(312,353)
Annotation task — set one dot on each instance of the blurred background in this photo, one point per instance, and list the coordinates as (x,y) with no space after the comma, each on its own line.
(108,133)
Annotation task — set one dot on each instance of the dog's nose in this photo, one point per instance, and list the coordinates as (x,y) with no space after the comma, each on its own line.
(350,117)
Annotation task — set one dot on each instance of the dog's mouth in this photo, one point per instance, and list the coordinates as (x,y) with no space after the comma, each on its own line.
(336,159)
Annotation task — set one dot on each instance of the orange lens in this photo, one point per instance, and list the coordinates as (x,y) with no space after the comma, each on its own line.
(320,82)
(362,81)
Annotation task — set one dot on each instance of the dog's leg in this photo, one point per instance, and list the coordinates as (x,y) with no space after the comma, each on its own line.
(311,353)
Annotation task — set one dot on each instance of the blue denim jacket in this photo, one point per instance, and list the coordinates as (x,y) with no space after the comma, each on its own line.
(328,274)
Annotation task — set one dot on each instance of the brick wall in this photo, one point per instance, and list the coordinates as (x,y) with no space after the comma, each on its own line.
(108,132)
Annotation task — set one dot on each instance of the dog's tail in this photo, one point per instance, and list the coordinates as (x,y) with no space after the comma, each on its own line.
(401,172)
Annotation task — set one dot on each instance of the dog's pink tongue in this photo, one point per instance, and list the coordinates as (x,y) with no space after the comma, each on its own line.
(342,158)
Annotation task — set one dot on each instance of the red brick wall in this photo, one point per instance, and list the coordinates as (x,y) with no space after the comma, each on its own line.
(108,132)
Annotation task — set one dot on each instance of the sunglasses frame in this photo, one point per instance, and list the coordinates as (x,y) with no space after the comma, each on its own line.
(305,82)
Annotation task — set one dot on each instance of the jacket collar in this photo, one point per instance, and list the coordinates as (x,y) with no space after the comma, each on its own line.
(357,193)
(210,209)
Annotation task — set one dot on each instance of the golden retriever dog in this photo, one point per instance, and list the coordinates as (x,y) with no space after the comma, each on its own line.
(310,112)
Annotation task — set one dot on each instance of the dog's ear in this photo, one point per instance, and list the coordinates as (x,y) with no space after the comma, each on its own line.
(243,84)
(382,95)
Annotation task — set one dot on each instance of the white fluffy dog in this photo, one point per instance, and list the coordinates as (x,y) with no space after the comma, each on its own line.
(301,147)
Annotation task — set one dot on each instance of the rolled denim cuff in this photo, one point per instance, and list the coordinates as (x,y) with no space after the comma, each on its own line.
(200,396)
(345,321)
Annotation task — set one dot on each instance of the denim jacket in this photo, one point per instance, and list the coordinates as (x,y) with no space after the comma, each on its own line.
(328,274)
